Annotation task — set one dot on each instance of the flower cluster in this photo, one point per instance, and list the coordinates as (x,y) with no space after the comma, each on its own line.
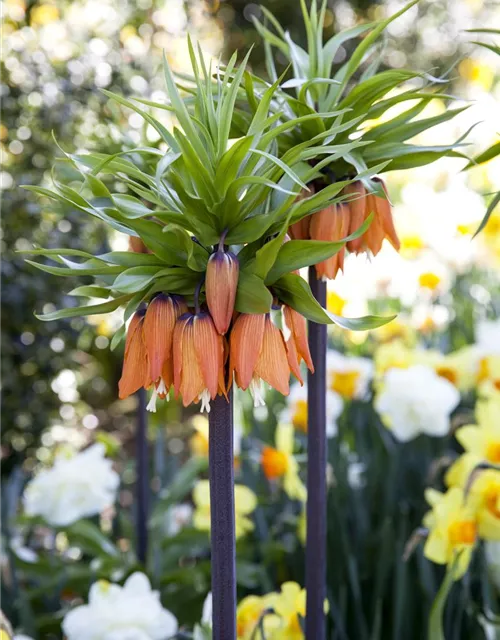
(469,511)
(169,346)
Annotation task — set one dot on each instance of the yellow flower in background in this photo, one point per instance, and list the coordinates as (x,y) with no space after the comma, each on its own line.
(477,72)
(488,375)
(452,529)
(290,606)
(245,502)
(429,280)
(459,367)
(279,464)
(411,244)
(348,376)
(295,410)
(198,442)
(480,441)
(43,14)
(335,303)
(248,614)
(394,330)
(393,355)
(484,494)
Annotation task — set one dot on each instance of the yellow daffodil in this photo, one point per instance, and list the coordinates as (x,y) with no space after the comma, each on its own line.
(395,330)
(290,606)
(253,610)
(393,355)
(348,376)
(458,367)
(335,303)
(480,441)
(245,502)
(295,410)
(488,375)
(484,495)
(452,528)
(198,443)
(278,463)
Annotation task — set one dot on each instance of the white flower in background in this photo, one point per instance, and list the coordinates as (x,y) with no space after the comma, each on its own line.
(488,337)
(178,517)
(295,411)
(76,486)
(206,616)
(131,612)
(416,400)
(348,376)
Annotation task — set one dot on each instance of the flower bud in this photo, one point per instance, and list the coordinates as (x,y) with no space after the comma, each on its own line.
(220,285)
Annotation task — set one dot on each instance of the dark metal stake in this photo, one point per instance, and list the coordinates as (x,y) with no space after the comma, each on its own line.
(222,535)
(316,473)
(142,486)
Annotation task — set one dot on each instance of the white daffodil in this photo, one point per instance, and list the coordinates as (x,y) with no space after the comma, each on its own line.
(416,400)
(295,411)
(76,486)
(349,376)
(131,612)
(488,337)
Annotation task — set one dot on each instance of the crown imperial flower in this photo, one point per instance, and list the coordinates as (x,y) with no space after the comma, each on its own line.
(135,372)
(221,284)
(198,359)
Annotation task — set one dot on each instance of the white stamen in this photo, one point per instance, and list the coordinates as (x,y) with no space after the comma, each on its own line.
(152,402)
(205,400)
(162,388)
(257,391)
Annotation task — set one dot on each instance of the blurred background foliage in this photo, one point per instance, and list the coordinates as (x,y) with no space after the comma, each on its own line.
(60,378)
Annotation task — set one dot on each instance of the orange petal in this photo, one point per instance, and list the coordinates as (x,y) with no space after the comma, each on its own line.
(191,378)
(384,209)
(209,351)
(177,350)
(159,324)
(135,372)
(272,365)
(357,211)
(375,233)
(331,224)
(138,315)
(220,285)
(300,230)
(245,345)
(136,245)
(298,326)
(293,359)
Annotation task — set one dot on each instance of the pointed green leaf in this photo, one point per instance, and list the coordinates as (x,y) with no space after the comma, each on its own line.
(252,295)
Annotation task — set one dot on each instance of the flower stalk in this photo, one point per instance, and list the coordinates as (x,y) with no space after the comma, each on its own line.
(316,472)
(142,486)
(223,541)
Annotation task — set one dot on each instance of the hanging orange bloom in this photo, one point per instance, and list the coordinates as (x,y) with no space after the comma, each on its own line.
(159,322)
(382,225)
(258,352)
(297,345)
(198,359)
(135,372)
(331,224)
(220,285)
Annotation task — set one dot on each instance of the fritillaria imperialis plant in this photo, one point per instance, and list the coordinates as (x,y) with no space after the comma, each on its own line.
(340,103)
(250,185)
(212,277)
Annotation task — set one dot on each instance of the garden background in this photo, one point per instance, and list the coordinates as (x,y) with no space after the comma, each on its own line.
(60,378)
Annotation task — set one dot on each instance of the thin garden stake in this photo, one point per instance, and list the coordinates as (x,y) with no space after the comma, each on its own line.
(142,485)
(222,532)
(316,472)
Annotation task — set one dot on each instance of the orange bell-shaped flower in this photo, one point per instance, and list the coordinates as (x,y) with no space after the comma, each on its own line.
(220,284)
(382,225)
(258,352)
(297,345)
(300,230)
(161,315)
(135,371)
(331,224)
(198,359)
